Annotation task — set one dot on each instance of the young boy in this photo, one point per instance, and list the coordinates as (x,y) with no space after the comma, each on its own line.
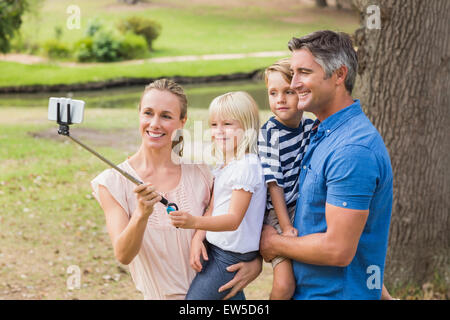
(282,142)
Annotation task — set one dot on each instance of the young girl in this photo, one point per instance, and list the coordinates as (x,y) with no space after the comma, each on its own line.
(236,213)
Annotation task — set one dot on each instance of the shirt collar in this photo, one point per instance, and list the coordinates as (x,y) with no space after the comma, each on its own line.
(336,120)
(282,126)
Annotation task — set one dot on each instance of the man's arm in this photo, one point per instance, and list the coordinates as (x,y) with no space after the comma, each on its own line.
(335,247)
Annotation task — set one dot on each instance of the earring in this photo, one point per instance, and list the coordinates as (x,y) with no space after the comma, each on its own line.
(179,143)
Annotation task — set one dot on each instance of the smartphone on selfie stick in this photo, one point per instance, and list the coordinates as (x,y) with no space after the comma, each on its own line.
(65,112)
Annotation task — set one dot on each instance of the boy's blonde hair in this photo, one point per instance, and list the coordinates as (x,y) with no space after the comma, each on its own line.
(282,66)
(240,106)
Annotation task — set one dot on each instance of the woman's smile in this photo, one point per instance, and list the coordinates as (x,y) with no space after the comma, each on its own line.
(155,135)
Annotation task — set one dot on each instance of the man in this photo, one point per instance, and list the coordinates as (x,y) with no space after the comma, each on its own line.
(345,188)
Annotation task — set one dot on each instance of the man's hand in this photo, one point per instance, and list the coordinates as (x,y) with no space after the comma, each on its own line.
(246,273)
(289,231)
(265,247)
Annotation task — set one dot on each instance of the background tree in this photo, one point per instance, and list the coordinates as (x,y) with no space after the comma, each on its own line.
(130,1)
(321,3)
(11,16)
(404,86)
(11,12)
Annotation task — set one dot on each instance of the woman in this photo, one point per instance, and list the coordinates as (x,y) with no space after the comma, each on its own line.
(140,229)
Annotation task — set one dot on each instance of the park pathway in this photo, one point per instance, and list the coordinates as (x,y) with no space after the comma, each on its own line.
(29,59)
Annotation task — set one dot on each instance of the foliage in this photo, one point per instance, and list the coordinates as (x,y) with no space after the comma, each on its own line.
(25,45)
(94,25)
(83,50)
(11,18)
(11,12)
(132,46)
(54,48)
(106,47)
(148,28)
(58,32)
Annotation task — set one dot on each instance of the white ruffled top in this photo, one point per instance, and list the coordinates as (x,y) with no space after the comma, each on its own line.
(245,174)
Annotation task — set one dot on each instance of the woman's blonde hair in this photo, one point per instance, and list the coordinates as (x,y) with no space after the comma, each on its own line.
(172,87)
(177,90)
(240,106)
(282,66)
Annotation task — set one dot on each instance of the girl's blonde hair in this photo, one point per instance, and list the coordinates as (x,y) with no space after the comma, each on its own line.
(282,66)
(240,106)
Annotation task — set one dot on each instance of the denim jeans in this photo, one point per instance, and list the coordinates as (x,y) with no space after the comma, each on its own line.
(207,282)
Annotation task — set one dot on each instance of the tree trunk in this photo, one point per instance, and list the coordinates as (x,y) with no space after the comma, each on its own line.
(321,3)
(403,83)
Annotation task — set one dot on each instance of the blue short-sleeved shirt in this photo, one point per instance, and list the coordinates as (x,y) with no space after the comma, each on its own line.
(347,165)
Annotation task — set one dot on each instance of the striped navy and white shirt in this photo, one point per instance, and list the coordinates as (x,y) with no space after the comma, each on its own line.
(281,151)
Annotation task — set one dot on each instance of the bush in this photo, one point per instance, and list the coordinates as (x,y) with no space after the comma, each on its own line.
(94,25)
(56,49)
(24,45)
(147,28)
(83,50)
(106,47)
(103,47)
(132,46)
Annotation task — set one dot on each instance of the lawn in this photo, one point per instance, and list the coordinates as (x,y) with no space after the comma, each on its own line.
(197,28)
(15,74)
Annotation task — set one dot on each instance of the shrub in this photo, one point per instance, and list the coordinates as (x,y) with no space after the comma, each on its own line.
(147,28)
(56,49)
(94,25)
(132,46)
(83,50)
(24,45)
(105,47)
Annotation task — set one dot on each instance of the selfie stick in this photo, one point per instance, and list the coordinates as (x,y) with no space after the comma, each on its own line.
(64,130)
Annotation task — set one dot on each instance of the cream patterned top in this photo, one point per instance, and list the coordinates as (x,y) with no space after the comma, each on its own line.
(161,269)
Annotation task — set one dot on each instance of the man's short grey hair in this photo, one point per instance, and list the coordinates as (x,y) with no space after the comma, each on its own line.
(331,50)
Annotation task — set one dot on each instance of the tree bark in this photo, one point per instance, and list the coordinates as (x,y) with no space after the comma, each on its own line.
(321,3)
(403,83)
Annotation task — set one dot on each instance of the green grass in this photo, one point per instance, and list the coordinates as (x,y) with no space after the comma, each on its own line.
(190,29)
(15,74)
(214,27)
